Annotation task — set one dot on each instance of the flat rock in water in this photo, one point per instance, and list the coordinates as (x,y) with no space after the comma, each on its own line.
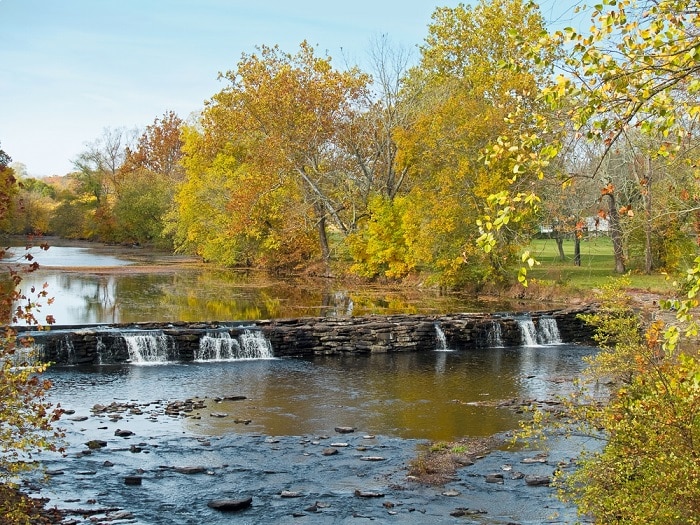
(190,470)
(133,480)
(368,494)
(535,481)
(345,430)
(494,478)
(96,443)
(230,505)
(235,398)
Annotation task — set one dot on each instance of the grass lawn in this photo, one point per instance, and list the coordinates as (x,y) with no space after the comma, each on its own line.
(597,266)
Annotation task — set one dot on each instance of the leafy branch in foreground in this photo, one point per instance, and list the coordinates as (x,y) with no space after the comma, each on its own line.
(26,417)
(640,396)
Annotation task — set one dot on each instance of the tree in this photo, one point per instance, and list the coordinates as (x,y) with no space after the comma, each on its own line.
(97,172)
(457,102)
(276,127)
(26,418)
(147,182)
(637,69)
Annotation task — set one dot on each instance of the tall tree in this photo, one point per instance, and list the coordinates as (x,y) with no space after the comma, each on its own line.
(284,114)
(147,182)
(636,68)
(460,100)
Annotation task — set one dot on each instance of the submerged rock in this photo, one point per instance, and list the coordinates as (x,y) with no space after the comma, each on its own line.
(133,480)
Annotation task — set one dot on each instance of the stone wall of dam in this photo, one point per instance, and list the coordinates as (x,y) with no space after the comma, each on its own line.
(303,337)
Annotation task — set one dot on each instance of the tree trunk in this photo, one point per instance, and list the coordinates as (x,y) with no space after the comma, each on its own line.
(577,250)
(560,246)
(646,195)
(616,234)
(323,240)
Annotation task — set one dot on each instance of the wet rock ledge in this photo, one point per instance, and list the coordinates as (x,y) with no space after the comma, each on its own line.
(308,336)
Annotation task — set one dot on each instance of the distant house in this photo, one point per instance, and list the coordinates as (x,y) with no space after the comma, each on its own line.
(592,224)
(597,224)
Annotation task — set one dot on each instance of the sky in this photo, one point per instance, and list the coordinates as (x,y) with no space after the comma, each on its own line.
(69,69)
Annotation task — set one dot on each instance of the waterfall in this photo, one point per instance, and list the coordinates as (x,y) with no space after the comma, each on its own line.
(494,337)
(528,332)
(220,346)
(147,348)
(441,339)
(67,348)
(546,333)
(217,346)
(254,345)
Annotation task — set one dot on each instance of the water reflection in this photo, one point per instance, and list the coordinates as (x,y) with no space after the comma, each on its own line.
(425,395)
(221,295)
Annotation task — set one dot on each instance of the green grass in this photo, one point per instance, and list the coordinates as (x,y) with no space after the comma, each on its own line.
(597,266)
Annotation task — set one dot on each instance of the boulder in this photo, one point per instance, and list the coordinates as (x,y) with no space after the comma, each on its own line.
(230,505)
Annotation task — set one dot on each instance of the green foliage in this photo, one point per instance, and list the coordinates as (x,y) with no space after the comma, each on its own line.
(639,399)
(379,248)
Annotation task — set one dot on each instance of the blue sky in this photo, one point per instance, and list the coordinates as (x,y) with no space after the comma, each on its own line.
(71,68)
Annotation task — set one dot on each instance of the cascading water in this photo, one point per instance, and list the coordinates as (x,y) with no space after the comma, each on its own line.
(546,333)
(67,348)
(441,339)
(147,348)
(217,346)
(254,345)
(220,346)
(494,336)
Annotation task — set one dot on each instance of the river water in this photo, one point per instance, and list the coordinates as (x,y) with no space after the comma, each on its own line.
(269,438)
(106,285)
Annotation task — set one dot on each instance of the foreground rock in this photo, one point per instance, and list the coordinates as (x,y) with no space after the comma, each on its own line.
(230,505)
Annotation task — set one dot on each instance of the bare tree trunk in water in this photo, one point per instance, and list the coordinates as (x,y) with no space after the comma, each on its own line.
(616,234)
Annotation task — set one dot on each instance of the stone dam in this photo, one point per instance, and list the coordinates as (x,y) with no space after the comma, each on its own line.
(302,337)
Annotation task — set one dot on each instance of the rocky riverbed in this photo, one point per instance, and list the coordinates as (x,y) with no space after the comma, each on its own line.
(136,462)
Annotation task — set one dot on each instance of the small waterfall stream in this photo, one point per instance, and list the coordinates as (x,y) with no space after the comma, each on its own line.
(494,336)
(220,346)
(441,339)
(545,333)
(147,348)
